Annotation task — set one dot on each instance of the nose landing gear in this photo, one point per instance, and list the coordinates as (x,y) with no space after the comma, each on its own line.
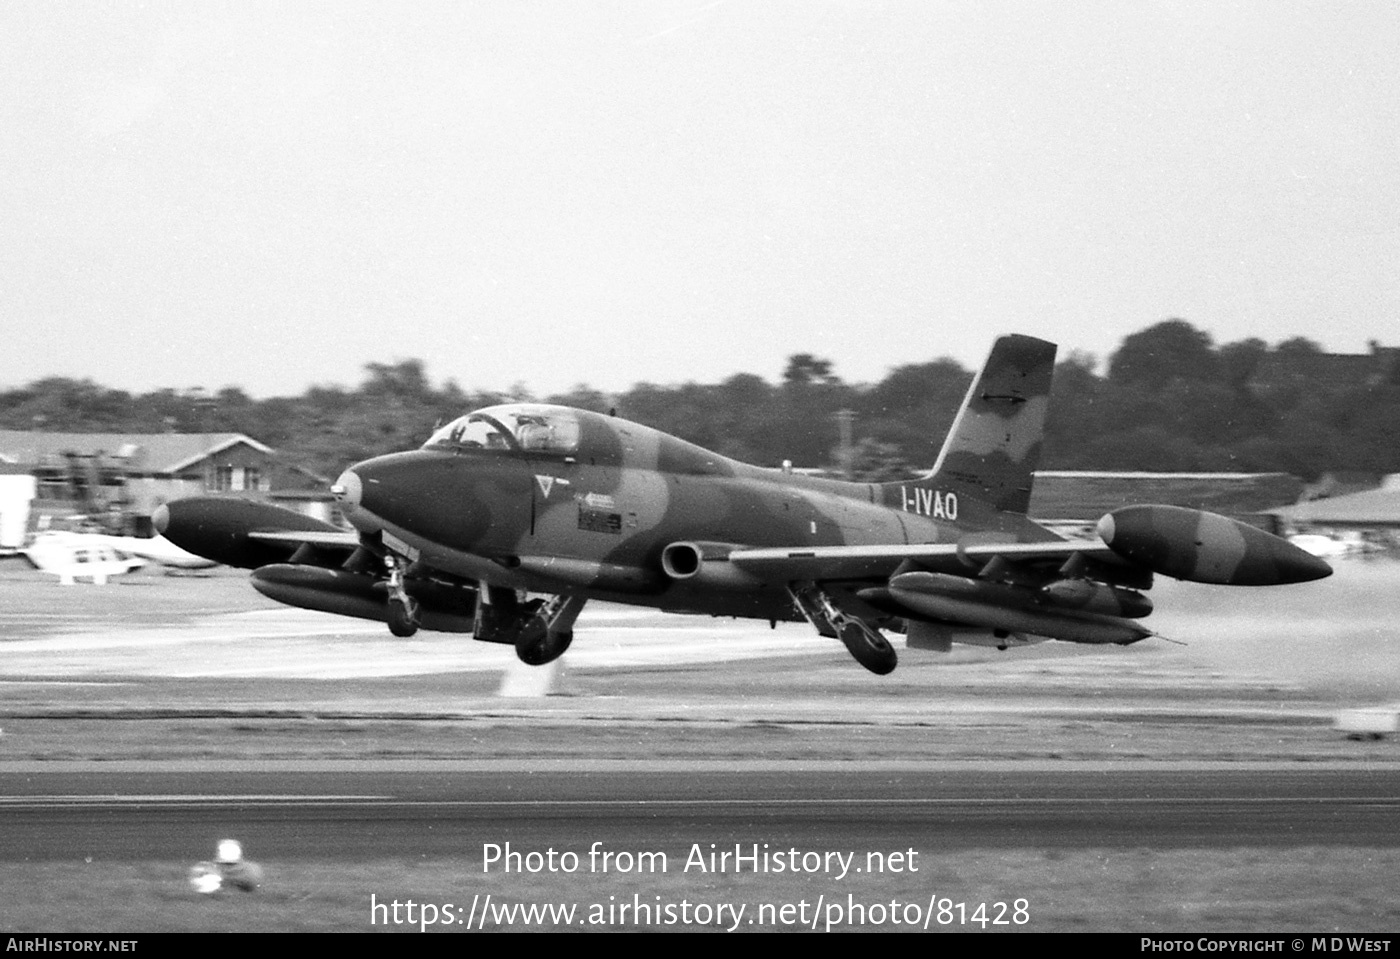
(403,608)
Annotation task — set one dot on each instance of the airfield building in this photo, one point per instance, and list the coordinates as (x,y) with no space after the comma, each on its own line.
(1071,501)
(117,479)
(1366,518)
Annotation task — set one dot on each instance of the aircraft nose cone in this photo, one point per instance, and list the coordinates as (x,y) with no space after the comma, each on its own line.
(348,489)
(433,494)
(160,518)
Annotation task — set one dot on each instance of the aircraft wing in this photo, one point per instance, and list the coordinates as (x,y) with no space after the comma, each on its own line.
(866,562)
(1186,544)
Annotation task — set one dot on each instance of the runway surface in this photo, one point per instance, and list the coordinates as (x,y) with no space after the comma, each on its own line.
(1159,786)
(141,718)
(406,810)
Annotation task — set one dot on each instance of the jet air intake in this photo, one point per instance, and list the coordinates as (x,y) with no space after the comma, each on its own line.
(1201,547)
(705,564)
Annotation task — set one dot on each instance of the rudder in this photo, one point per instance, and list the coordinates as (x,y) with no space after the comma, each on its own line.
(992,451)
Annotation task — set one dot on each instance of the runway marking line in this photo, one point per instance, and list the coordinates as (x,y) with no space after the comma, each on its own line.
(90,800)
(14,802)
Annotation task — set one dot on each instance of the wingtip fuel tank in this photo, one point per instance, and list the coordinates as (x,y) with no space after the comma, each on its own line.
(1202,547)
(219,527)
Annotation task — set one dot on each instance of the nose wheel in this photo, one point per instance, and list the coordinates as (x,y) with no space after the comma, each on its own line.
(403,608)
(403,617)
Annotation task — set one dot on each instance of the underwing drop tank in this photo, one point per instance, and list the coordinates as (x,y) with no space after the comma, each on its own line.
(442,607)
(956,599)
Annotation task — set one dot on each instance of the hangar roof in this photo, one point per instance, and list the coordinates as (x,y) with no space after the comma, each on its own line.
(143,452)
(1077,495)
(1376,507)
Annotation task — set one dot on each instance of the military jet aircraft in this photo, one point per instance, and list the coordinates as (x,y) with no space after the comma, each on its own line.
(509,519)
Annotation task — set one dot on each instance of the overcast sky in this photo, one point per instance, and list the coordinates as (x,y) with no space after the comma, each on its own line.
(271,195)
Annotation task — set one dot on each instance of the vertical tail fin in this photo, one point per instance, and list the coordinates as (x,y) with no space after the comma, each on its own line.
(994,446)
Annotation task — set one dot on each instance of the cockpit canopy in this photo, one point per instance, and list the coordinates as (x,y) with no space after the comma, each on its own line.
(527,428)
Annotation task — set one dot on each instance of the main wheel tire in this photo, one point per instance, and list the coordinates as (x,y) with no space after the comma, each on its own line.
(869,648)
(537,645)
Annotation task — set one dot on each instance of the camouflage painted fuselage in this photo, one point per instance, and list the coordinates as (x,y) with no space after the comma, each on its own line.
(595,521)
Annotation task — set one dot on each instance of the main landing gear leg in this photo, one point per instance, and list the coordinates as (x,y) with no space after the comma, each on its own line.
(864,642)
(550,631)
(403,608)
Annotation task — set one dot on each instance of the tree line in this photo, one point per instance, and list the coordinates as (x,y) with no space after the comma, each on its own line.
(1168,399)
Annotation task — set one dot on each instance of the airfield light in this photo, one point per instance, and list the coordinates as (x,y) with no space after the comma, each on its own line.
(228,870)
(205,878)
